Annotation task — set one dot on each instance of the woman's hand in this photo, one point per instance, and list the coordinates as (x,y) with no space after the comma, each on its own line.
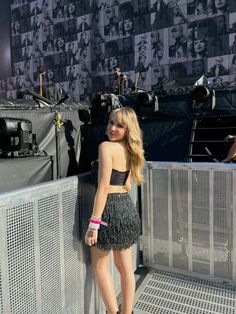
(91,237)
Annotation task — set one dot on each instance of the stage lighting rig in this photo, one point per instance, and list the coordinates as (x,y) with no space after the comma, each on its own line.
(15,137)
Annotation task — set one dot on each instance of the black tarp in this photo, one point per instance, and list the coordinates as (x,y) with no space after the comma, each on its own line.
(24,171)
(44,127)
(163,141)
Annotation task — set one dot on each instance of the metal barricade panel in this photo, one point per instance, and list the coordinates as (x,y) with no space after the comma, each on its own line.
(188,218)
(21,267)
(180,218)
(160,216)
(40,264)
(45,265)
(223,224)
(50,259)
(1,299)
(72,252)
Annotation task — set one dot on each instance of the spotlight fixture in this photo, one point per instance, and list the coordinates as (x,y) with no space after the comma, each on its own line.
(15,136)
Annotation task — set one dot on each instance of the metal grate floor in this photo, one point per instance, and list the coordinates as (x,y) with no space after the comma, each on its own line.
(163,292)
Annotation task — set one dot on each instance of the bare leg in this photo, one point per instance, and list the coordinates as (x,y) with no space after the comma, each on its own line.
(123,262)
(100,263)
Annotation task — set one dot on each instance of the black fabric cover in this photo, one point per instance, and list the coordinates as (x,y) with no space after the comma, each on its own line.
(163,141)
(24,171)
(181,106)
(44,127)
(166,140)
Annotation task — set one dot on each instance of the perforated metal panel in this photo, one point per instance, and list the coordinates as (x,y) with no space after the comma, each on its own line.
(41,266)
(188,218)
(45,266)
(165,292)
(1,300)
(21,267)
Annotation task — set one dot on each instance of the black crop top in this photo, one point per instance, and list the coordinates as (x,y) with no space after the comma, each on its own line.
(117,177)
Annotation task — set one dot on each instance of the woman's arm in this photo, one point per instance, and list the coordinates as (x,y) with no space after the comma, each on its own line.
(104,175)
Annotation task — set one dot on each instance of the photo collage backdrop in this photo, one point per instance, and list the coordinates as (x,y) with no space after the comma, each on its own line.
(78,43)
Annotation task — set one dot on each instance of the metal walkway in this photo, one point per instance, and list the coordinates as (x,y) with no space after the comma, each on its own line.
(163,292)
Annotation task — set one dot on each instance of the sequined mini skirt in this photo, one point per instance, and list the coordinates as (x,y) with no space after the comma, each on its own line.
(123,223)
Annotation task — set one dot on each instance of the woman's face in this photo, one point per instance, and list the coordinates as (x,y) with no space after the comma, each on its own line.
(50,74)
(116,132)
(128,25)
(4,83)
(176,32)
(221,23)
(17,26)
(198,67)
(84,81)
(200,9)
(60,42)
(109,13)
(113,62)
(157,72)
(219,4)
(199,46)
(71,7)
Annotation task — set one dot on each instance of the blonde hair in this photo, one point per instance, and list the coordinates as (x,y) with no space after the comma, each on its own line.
(134,139)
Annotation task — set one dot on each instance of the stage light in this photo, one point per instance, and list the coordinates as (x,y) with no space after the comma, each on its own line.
(144,99)
(201,94)
(15,136)
(203,99)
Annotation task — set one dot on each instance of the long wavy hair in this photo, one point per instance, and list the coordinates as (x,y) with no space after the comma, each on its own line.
(134,140)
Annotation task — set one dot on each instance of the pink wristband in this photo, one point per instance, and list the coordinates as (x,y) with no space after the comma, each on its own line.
(97,222)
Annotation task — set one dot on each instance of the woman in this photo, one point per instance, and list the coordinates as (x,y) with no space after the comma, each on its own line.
(112,63)
(198,67)
(179,47)
(218,7)
(126,27)
(115,224)
(112,27)
(198,48)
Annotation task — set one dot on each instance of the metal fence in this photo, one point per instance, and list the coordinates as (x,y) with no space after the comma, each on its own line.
(44,265)
(189,218)
(188,215)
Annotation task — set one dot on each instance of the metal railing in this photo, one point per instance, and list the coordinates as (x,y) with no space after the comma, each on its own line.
(44,265)
(189,218)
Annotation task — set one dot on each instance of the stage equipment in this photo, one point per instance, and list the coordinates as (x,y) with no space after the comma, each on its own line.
(41,83)
(201,94)
(102,105)
(203,99)
(42,101)
(142,98)
(15,137)
(143,103)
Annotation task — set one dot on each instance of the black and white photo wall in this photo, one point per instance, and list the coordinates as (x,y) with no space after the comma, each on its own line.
(77,44)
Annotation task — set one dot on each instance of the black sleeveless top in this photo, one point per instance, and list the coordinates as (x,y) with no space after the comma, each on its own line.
(117,177)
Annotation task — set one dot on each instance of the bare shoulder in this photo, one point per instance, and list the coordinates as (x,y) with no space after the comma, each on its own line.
(105,147)
(111,148)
